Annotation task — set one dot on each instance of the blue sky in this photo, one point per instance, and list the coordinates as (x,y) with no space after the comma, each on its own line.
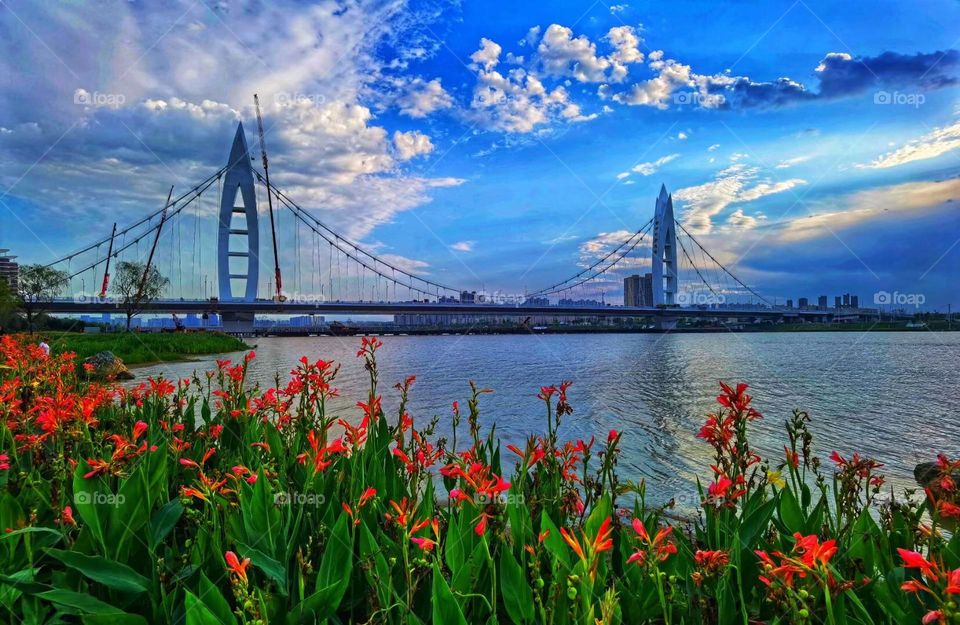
(811,146)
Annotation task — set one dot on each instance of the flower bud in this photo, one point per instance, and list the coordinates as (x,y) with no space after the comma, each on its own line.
(804,613)
(571,593)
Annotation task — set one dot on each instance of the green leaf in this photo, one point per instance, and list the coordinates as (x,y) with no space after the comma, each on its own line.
(214,600)
(164,521)
(101,570)
(85,494)
(197,613)
(114,619)
(79,601)
(332,578)
(446,608)
(755,522)
(517,596)
(790,513)
(268,565)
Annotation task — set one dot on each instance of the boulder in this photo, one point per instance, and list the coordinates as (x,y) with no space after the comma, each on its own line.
(106,366)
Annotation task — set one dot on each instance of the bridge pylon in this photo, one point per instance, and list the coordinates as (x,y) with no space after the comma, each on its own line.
(238,223)
(664,266)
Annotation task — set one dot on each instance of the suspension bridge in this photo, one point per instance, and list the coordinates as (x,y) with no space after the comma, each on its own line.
(316,270)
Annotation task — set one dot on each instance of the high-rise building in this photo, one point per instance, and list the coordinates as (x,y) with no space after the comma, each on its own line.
(646,290)
(846,300)
(822,302)
(854,301)
(468,297)
(803,302)
(631,290)
(789,303)
(837,301)
(9,270)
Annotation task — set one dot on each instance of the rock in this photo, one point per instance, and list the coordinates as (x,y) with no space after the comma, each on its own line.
(106,366)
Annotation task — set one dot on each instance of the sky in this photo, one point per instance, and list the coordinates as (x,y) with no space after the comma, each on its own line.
(812,147)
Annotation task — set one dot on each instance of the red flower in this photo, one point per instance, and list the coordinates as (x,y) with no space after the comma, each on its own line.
(913,560)
(235,566)
(425,544)
(66,517)
(812,551)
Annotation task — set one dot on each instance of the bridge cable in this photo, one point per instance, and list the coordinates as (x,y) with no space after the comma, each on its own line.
(719,264)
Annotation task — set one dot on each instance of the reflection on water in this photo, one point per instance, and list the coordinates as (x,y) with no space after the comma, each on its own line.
(892,396)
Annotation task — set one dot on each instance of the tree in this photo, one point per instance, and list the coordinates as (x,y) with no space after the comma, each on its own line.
(135,292)
(37,286)
(8,303)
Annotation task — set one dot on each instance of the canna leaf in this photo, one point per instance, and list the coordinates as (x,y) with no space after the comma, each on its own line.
(446,608)
(103,571)
(517,596)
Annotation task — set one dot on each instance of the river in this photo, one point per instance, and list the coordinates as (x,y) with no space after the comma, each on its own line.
(894,396)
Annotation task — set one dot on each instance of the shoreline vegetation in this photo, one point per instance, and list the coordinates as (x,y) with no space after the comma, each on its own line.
(143,348)
(211,501)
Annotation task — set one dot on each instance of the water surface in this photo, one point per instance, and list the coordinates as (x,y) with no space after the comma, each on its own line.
(892,396)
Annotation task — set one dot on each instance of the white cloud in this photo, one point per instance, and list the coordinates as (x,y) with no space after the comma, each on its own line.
(488,56)
(183,91)
(739,220)
(713,148)
(877,203)
(422,98)
(701,203)
(931,145)
(604,243)
(519,102)
(682,136)
(411,144)
(561,54)
(463,246)
(618,8)
(650,168)
(790,162)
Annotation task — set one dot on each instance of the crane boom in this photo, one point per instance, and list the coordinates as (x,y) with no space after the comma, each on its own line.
(266,177)
(106,269)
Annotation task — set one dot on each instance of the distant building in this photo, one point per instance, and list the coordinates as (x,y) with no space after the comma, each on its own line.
(846,300)
(822,302)
(9,270)
(854,301)
(646,290)
(837,302)
(789,303)
(631,290)
(803,302)
(536,301)
(468,297)
(638,290)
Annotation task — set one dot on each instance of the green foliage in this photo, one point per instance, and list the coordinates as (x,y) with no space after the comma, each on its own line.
(213,503)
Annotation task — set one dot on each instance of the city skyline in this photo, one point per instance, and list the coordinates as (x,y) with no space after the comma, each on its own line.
(502,147)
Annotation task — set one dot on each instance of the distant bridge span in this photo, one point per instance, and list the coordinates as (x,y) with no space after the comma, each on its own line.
(270,307)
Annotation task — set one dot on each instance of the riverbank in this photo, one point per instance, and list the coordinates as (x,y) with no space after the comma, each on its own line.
(138,348)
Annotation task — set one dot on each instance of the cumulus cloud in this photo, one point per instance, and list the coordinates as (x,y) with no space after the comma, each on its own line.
(735,184)
(931,145)
(463,246)
(421,98)
(562,54)
(488,56)
(838,75)
(124,97)
(738,220)
(411,144)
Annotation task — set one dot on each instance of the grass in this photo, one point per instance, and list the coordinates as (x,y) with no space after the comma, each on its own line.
(136,348)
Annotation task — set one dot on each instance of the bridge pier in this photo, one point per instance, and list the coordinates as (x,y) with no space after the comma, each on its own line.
(237,322)
(665,324)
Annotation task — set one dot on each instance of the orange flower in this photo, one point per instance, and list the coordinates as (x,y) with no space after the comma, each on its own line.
(236,567)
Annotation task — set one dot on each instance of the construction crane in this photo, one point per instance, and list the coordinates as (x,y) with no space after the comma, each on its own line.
(153,248)
(266,178)
(106,269)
